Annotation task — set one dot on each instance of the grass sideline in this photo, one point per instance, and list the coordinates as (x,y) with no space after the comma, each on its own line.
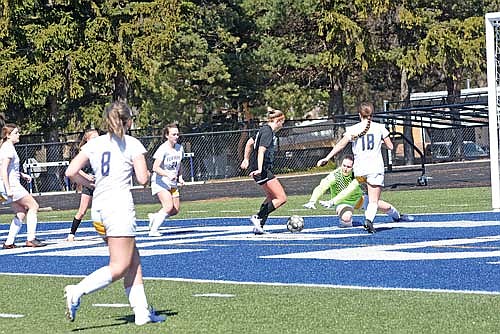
(257,308)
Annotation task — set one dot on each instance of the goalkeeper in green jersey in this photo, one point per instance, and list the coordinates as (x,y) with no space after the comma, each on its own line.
(347,195)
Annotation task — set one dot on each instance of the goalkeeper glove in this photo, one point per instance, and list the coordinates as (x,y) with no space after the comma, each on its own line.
(327,204)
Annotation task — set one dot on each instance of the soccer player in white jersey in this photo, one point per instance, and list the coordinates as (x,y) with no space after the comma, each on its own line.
(166,179)
(367,138)
(114,157)
(22,202)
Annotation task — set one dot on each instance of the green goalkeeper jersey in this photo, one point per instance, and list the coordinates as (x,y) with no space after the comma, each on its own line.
(342,182)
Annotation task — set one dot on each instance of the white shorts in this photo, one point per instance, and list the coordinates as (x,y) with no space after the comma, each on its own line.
(158,184)
(115,220)
(18,191)
(373,179)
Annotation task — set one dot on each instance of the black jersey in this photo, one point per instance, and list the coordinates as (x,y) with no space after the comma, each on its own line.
(265,137)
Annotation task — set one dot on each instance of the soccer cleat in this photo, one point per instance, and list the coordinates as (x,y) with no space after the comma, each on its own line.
(150,316)
(345,224)
(11,246)
(71,237)
(260,231)
(150,218)
(35,243)
(256,222)
(154,234)
(368,226)
(326,204)
(309,205)
(71,306)
(404,218)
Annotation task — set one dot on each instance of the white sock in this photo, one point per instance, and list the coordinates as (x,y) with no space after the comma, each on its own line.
(137,298)
(31,222)
(393,213)
(15,227)
(158,219)
(371,211)
(99,279)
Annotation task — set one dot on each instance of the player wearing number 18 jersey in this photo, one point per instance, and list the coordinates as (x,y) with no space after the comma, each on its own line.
(366,149)
(366,138)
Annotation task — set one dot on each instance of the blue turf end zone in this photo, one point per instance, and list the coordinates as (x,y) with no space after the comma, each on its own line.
(452,252)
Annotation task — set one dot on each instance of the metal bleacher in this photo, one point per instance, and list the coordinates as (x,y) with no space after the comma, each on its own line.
(439,111)
(432,111)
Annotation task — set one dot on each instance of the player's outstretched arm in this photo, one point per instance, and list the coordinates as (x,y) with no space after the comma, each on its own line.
(335,150)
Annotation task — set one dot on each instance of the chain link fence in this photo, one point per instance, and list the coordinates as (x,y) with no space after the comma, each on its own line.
(217,155)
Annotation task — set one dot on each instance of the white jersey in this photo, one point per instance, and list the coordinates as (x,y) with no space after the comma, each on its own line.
(7,151)
(112,162)
(367,148)
(170,161)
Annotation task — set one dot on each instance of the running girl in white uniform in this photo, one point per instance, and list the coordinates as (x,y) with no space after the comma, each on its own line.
(367,138)
(22,202)
(166,179)
(114,157)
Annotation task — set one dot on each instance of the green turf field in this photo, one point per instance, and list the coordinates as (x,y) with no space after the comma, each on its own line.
(260,308)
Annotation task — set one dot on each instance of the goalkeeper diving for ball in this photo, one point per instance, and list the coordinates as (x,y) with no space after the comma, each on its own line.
(347,195)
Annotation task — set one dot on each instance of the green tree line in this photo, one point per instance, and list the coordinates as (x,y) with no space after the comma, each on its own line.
(61,61)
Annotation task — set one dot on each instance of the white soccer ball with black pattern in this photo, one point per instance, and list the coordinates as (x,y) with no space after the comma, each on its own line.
(295,223)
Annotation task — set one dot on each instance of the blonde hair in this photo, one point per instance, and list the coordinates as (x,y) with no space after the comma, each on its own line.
(273,114)
(365,110)
(6,130)
(117,115)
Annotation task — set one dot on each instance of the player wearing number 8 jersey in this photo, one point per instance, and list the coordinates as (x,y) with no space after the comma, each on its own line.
(114,157)
(366,138)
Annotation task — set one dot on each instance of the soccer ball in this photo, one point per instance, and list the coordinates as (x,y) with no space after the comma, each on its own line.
(295,223)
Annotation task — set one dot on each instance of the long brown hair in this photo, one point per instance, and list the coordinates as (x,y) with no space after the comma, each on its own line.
(365,110)
(86,137)
(6,130)
(117,115)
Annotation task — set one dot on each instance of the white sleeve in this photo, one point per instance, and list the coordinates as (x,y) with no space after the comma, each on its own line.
(160,153)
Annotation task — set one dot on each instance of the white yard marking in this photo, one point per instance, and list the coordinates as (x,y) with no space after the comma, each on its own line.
(216,295)
(394,253)
(111,305)
(7,315)
(103,251)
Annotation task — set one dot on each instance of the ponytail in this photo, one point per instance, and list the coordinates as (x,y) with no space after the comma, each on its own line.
(365,111)
(362,133)
(117,115)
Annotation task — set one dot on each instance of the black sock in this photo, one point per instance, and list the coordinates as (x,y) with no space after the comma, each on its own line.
(74,225)
(265,210)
